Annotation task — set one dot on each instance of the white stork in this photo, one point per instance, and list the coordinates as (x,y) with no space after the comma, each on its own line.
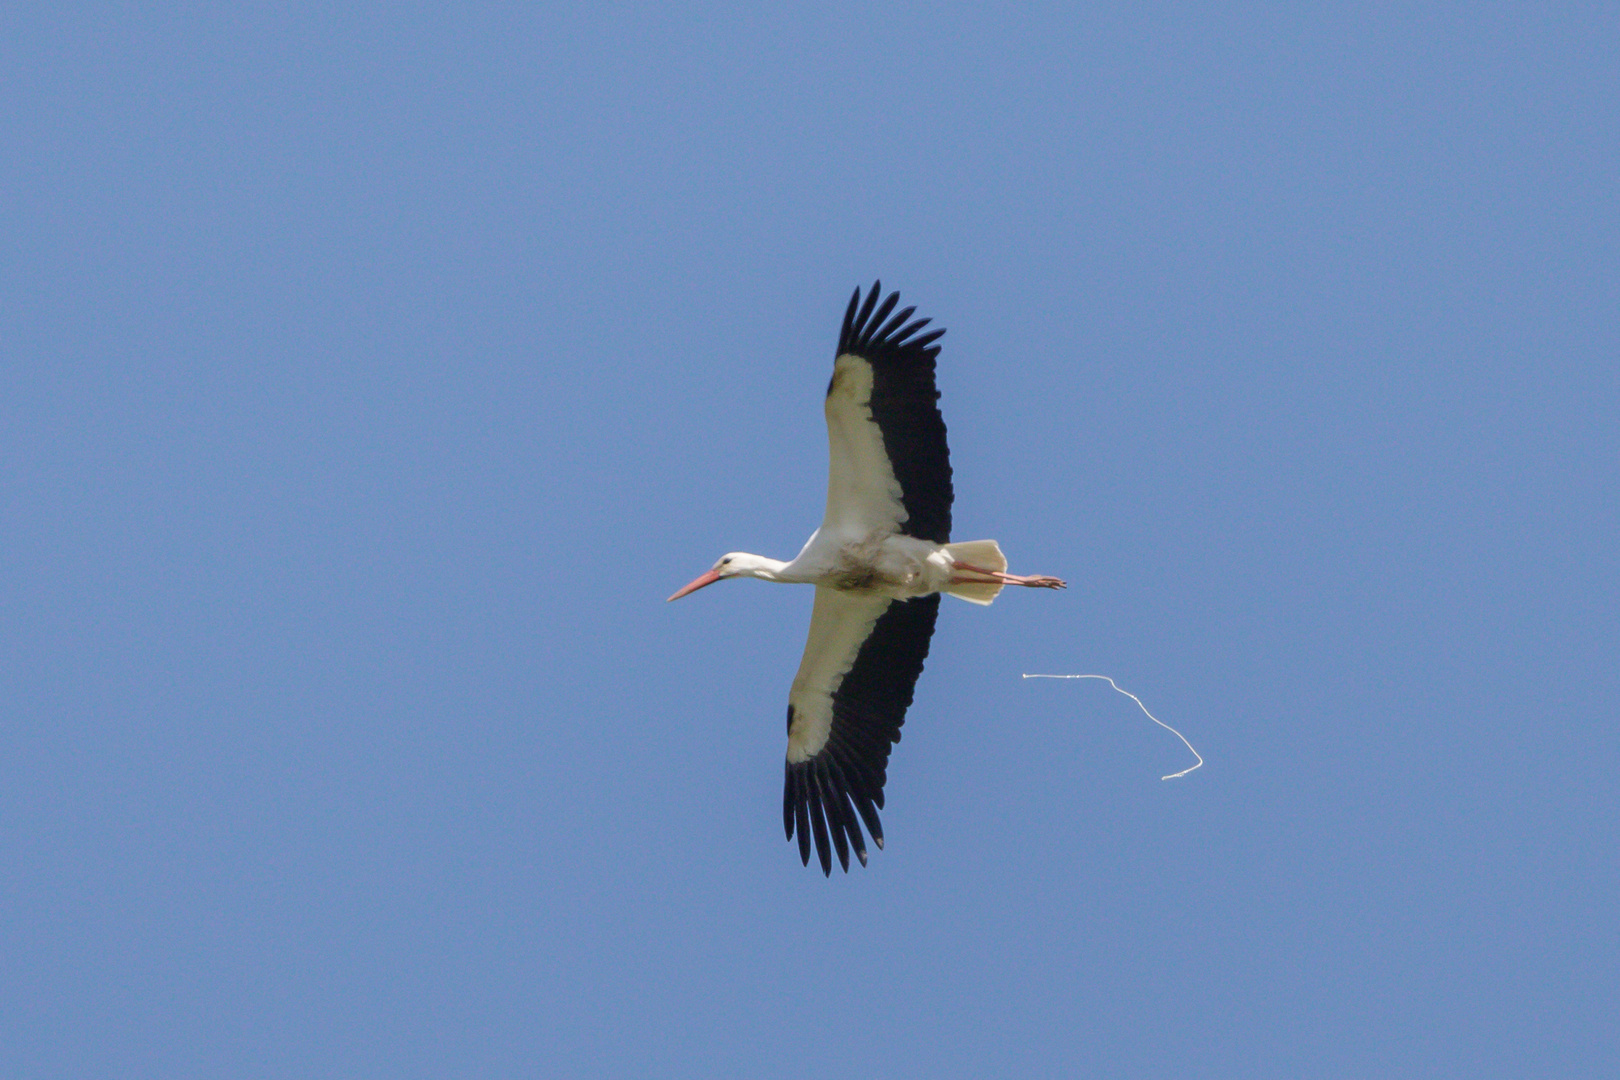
(879,561)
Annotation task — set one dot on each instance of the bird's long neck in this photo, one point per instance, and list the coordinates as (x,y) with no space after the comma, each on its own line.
(767,569)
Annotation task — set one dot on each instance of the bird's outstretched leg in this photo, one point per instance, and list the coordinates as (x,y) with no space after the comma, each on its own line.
(1033,581)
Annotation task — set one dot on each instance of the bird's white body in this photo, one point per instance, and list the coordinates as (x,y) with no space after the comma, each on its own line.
(879,563)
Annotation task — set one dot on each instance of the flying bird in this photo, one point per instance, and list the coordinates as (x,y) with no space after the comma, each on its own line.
(879,562)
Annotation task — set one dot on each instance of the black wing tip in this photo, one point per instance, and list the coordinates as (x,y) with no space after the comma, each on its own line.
(865,330)
(816,807)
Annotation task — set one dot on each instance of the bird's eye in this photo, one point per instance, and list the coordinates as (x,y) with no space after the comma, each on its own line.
(725,560)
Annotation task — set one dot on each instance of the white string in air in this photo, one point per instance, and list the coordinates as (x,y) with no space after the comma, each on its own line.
(1150,716)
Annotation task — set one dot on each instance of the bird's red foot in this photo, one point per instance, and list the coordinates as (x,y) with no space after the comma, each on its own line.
(1041,581)
(1033,581)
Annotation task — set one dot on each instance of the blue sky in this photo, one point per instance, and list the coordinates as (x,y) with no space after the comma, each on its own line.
(368,377)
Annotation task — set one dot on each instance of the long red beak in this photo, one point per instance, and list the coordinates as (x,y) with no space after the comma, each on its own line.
(707,579)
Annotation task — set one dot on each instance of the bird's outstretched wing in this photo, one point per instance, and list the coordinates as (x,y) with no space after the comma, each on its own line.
(890,469)
(848,701)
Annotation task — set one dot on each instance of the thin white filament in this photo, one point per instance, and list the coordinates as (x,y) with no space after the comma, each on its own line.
(1144,709)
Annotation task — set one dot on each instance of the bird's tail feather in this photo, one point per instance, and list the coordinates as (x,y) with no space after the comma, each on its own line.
(981,553)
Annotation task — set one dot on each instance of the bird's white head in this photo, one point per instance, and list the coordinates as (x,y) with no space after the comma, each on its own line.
(733,564)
